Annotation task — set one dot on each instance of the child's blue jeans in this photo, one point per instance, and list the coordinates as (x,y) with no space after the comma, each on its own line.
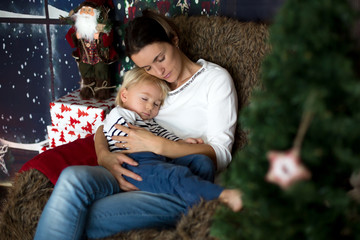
(190,177)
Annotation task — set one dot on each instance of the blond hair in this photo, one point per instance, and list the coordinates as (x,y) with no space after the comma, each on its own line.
(137,76)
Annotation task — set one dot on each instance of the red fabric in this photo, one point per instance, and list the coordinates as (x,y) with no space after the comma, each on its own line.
(53,161)
(107,38)
(69,38)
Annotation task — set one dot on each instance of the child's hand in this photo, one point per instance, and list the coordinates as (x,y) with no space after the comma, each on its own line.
(194,140)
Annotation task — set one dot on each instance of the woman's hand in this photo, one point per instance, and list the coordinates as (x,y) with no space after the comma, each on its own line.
(113,162)
(194,140)
(137,139)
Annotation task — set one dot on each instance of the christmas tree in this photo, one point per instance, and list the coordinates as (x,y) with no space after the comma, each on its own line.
(304,132)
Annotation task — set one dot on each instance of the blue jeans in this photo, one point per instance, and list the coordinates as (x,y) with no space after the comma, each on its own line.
(190,177)
(88,201)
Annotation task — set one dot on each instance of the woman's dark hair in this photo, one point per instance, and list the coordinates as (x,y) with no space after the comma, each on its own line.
(151,27)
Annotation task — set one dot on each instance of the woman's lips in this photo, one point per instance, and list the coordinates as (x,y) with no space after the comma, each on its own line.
(167,75)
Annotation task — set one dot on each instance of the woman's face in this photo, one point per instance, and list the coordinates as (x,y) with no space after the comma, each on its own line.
(160,59)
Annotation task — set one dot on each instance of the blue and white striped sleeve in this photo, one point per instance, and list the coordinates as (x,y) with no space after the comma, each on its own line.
(116,116)
(162,132)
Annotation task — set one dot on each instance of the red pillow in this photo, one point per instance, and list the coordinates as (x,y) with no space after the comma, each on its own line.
(53,161)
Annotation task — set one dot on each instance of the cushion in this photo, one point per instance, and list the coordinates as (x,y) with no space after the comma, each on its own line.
(53,161)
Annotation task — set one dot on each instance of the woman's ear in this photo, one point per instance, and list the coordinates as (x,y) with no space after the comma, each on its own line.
(175,41)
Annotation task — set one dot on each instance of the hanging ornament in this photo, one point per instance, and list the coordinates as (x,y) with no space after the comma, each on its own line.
(286,167)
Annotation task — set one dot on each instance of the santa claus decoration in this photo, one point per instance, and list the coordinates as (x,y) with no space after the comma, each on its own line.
(92,36)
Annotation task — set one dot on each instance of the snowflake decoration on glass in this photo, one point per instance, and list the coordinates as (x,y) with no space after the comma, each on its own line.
(3,151)
(286,168)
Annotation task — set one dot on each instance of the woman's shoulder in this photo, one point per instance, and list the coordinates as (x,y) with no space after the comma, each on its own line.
(213,70)
(208,76)
(207,64)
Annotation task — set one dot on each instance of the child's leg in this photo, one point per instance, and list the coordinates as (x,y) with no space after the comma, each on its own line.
(198,164)
(163,177)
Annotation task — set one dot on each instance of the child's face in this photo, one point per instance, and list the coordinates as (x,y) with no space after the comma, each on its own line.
(144,99)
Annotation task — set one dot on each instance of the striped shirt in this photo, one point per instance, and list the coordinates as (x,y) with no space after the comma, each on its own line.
(122,116)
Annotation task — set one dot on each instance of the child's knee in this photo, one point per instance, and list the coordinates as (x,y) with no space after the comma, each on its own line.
(203,167)
(204,163)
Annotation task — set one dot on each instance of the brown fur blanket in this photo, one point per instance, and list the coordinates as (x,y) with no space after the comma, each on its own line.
(237,46)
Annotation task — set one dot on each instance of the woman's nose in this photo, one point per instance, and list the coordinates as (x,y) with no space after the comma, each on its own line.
(159,71)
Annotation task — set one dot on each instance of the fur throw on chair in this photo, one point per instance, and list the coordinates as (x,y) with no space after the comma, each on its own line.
(237,46)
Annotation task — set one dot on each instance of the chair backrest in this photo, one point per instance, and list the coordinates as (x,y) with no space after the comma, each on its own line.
(237,46)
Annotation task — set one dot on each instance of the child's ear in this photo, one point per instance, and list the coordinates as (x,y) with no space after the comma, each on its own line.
(123,95)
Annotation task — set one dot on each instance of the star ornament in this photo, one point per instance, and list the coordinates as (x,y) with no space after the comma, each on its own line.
(286,168)
(183,5)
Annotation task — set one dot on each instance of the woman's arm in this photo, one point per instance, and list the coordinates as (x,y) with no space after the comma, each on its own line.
(140,140)
(222,107)
(173,149)
(112,161)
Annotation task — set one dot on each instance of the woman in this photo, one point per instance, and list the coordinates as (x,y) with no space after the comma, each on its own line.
(202,104)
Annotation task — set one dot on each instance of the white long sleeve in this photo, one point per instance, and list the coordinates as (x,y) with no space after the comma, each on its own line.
(204,107)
